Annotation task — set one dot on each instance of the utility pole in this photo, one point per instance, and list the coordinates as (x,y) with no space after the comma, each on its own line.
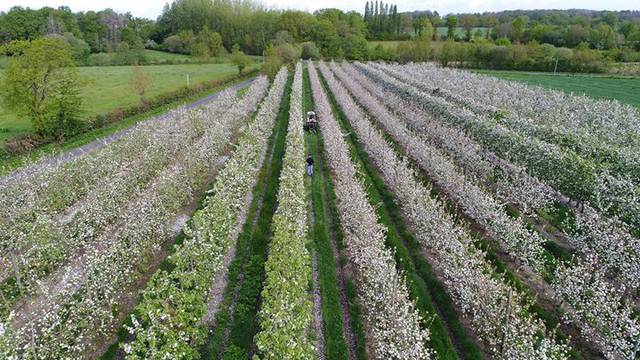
(555,69)
(187,80)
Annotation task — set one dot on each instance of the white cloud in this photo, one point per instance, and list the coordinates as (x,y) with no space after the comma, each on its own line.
(153,8)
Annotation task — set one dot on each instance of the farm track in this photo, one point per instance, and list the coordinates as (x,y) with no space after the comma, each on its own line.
(99,143)
(246,275)
(541,292)
(341,270)
(452,344)
(317,299)
(339,340)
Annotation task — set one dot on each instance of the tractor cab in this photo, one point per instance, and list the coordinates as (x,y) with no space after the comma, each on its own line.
(311,125)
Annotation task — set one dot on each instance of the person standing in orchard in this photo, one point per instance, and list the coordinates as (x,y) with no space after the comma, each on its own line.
(309,165)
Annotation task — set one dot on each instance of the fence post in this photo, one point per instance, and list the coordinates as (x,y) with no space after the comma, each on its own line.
(505,331)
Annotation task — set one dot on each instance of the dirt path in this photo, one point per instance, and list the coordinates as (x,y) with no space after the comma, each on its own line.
(23,173)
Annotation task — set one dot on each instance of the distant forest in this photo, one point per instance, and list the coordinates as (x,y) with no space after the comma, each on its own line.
(532,39)
(603,30)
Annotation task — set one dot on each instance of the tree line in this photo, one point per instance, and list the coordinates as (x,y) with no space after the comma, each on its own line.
(212,28)
(602,30)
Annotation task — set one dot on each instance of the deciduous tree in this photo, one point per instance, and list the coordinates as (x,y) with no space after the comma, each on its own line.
(41,84)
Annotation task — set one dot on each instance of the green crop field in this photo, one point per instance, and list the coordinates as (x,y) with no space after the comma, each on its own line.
(108,88)
(625,90)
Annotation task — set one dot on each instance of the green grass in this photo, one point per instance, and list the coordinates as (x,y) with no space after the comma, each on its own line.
(424,288)
(625,90)
(109,87)
(154,55)
(252,252)
(9,163)
(335,345)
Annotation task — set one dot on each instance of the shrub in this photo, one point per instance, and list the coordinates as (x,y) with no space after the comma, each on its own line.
(115,115)
(99,59)
(22,143)
(310,51)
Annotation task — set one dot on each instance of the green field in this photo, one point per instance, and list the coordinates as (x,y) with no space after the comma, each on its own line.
(154,55)
(623,89)
(108,88)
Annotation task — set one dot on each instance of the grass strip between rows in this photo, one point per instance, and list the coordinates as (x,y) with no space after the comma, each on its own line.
(326,227)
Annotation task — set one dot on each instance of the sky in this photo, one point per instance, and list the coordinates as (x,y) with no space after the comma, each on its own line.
(152,8)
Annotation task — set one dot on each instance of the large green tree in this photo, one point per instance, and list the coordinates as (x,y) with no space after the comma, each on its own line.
(517,29)
(41,84)
(468,22)
(452,23)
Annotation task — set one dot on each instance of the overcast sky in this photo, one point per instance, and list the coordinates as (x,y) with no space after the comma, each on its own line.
(153,8)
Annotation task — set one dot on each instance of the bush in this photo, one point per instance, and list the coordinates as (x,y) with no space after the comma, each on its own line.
(310,51)
(79,49)
(125,55)
(22,144)
(99,59)
(355,47)
(414,51)
(531,57)
(115,115)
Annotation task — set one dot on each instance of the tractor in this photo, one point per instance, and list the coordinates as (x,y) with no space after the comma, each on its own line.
(311,125)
